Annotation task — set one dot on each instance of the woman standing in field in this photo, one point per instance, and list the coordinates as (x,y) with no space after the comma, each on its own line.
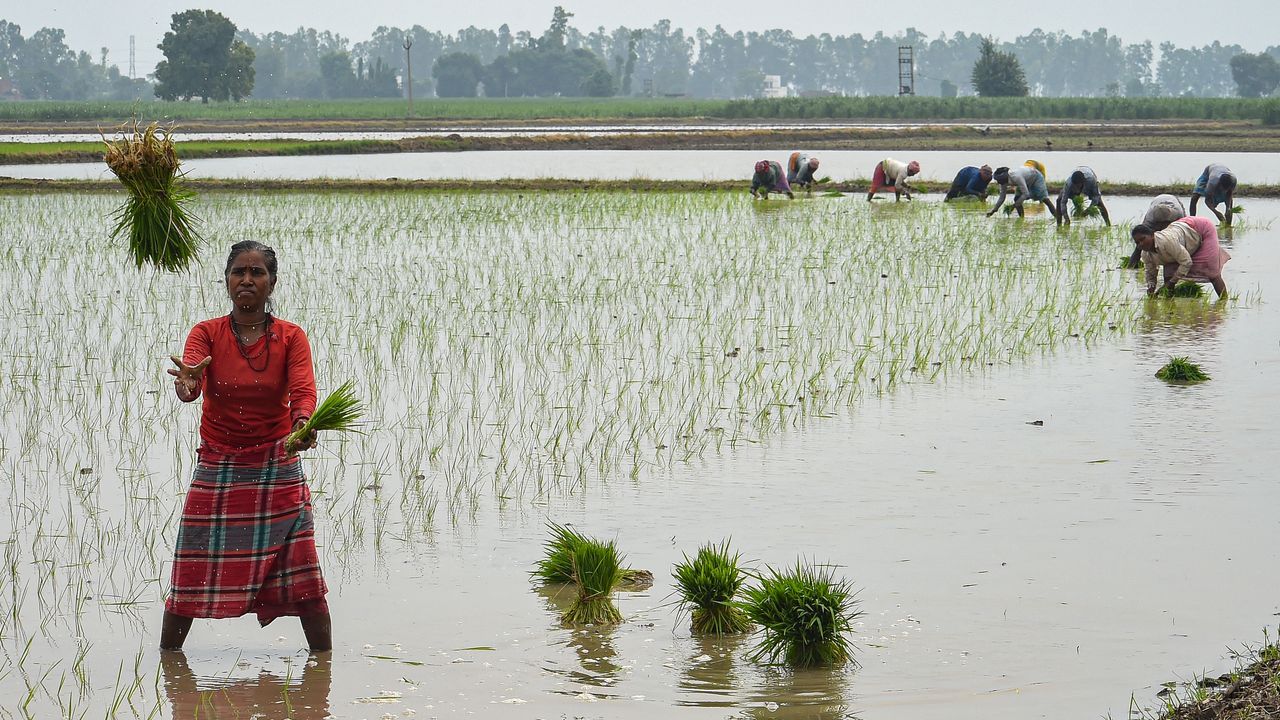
(892,173)
(1082,181)
(1163,210)
(1026,182)
(1187,248)
(970,182)
(768,178)
(1217,185)
(246,542)
(800,170)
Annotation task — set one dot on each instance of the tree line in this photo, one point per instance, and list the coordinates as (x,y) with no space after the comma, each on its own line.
(661,60)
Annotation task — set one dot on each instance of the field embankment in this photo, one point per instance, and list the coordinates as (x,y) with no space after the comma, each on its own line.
(1215,136)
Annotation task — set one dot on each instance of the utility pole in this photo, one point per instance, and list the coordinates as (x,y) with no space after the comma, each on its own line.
(906,70)
(133,71)
(408,71)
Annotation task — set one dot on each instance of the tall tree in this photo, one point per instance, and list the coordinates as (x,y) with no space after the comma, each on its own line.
(1255,75)
(203,58)
(554,37)
(997,74)
(457,74)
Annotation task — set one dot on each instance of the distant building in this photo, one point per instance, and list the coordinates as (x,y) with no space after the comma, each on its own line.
(773,87)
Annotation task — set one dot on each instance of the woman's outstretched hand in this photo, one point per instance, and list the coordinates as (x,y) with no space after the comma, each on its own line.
(305,443)
(186,378)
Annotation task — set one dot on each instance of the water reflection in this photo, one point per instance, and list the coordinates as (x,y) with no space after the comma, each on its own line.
(813,694)
(597,658)
(303,696)
(709,677)
(1198,319)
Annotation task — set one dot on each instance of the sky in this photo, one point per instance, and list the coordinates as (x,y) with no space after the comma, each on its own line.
(93,24)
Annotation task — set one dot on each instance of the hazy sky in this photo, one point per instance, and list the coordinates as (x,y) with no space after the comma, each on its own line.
(92,24)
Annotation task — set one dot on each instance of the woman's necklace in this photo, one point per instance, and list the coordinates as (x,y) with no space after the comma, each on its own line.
(264,352)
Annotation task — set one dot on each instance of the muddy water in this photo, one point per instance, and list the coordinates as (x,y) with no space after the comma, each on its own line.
(1007,570)
(1171,167)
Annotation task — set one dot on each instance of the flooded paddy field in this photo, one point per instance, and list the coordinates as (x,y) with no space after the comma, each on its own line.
(696,165)
(958,411)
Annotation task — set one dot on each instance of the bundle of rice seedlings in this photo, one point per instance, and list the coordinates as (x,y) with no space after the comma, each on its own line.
(556,565)
(806,615)
(1181,370)
(1184,289)
(597,568)
(708,586)
(160,227)
(1236,210)
(1078,209)
(339,411)
(1124,263)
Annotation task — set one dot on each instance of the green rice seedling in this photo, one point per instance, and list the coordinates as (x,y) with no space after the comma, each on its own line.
(597,568)
(1181,370)
(156,219)
(708,586)
(806,615)
(339,411)
(556,565)
(1124,263)
(1184,289)
(1080,210)
(1238,209)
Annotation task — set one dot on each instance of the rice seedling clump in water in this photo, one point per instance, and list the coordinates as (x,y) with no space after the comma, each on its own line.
(708,587)
(597,568)
(160,227)
(556,565)
(339,411)
(1181,370)
(1185,289)
(806,615)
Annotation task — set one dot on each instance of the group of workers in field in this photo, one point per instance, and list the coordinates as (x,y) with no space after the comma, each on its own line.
(1185,246)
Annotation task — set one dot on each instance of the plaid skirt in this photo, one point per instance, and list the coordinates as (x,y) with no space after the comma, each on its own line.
(246,542)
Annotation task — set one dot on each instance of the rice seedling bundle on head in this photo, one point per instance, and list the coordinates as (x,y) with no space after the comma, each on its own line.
(708,586)
(806,616)
(160,227)
(1181,370)
(339,411)
(597,568)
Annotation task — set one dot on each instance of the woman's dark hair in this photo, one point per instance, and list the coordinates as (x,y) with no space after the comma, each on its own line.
(1077,179)
(245,246)
(1228,182)
(1141,229)
(1001,175)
